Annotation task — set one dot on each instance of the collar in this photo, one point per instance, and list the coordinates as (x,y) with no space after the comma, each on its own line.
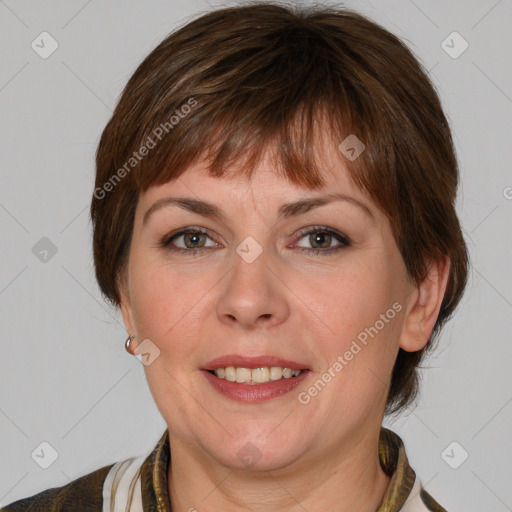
(392,456)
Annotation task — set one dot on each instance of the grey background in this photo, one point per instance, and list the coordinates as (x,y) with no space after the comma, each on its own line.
(65,376)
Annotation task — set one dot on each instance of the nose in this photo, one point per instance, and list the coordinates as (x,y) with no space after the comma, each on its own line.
(253,296)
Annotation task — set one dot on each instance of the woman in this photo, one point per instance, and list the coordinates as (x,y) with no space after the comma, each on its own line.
(274,214)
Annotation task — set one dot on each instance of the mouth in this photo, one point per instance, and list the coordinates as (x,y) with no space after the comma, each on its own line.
(248,391)
(254,370)
(254,376)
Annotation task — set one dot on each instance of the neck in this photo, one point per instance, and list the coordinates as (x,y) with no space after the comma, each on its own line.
(345,479)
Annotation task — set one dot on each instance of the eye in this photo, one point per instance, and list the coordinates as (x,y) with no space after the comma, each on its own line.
(193,240)
(322,237)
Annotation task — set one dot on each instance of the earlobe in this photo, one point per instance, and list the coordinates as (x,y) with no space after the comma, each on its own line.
(424,306)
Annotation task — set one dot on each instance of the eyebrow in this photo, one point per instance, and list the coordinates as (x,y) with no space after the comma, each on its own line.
(286,210)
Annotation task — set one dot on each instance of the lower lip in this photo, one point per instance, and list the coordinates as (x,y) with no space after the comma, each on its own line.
(253,393)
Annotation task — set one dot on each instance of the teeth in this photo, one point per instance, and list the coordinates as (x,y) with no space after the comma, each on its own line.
(256,375)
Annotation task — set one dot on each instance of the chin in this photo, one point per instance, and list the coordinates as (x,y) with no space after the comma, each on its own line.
(251,455)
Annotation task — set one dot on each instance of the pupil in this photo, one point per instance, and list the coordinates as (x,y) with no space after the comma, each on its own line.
(321,235)
(194,237)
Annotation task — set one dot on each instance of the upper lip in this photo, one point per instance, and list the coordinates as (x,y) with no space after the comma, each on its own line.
(252,362)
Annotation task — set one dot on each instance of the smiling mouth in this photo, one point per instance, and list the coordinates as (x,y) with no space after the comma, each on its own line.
(251,376)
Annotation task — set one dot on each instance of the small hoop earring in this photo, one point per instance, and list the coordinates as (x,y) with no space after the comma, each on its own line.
(127,343)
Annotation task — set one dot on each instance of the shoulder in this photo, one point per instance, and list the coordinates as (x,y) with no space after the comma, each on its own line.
(121,484)
(86,490)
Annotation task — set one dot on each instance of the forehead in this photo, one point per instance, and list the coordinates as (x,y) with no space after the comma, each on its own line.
(267,181)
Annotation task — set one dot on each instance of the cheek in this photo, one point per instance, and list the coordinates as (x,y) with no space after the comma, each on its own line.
(360,323)
(169,306)
(354,298)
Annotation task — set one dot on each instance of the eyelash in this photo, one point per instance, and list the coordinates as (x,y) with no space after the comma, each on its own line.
(345,241)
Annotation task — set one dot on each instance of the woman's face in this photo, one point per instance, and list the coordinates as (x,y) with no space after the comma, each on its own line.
(261,287)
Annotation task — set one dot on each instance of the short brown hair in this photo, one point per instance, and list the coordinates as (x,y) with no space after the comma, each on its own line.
(258,76)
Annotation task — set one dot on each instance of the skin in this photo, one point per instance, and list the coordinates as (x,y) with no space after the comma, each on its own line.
(301,306)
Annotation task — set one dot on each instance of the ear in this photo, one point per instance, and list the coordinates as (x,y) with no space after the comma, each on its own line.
(126,305)
(423,306)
